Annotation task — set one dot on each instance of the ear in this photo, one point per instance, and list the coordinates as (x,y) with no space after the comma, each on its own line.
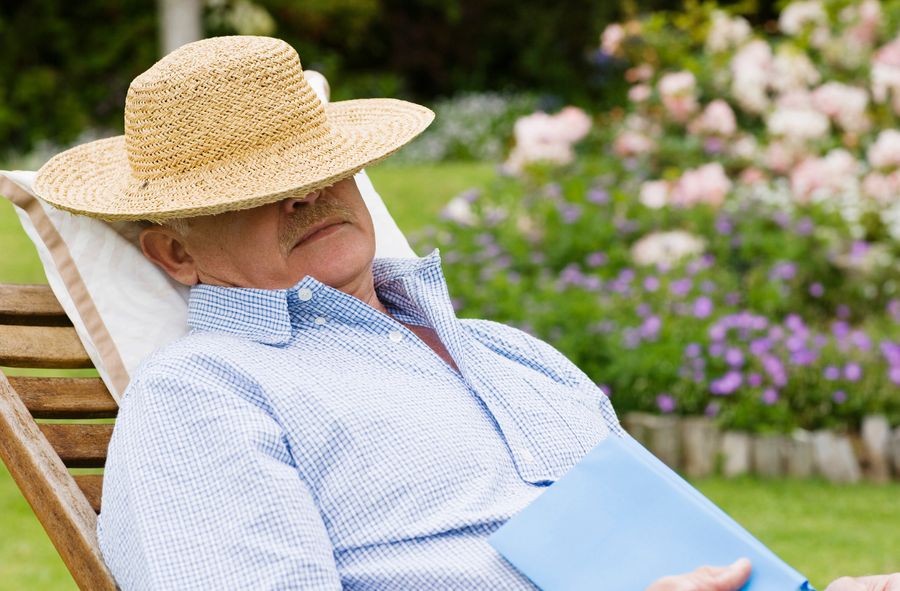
(165,248)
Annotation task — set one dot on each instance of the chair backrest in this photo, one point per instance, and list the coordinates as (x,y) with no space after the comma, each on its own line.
(50,425)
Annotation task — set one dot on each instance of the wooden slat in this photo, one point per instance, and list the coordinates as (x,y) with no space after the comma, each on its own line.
(34,305)
(59,504)
(92,487)
(65,398)
(42,346)
(79,445)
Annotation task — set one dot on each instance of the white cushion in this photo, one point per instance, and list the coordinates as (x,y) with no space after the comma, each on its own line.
(123,306)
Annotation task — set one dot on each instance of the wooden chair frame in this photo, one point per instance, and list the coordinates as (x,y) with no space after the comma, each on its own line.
(35,333)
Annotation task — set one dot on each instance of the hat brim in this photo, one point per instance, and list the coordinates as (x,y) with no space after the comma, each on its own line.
(95,179)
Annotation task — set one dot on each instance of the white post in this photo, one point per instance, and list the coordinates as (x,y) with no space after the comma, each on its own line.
(180,22)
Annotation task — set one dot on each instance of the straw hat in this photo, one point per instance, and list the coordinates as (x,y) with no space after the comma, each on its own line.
(222,124)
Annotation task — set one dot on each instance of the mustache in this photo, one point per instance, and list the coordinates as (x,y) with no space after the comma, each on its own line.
(308,215)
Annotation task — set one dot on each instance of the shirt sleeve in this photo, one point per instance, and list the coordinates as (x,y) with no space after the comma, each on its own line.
(543,357)
(200,492)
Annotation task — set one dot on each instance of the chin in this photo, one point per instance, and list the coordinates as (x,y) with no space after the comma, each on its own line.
(336,260)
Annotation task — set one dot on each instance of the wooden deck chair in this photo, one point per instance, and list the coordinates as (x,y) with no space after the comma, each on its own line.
(39,450)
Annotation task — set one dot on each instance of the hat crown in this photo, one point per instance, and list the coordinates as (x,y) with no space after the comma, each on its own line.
(217,100)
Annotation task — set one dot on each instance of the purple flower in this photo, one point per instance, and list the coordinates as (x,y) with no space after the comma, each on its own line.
(754,380)
(861,340)
(712,409)
(570,213)
(853,371)
(816,290)
(607,391)
(784,270)
(843,312)
(631,338)
(597,259)
(733,298)
(734,357)
(703,307)
(831,373)
(760,346)
(724,226)
(644,310)
(727,384)
(665,403)
(795,323)
(681,287)
(804,226)
(708,286)
(650,328)
(651,283)
(770,396)
(839,396)
(891,352)
(718,331)
(693,350)
(598,196)
(894,375)
(804,357)
(893,308)
(716,349)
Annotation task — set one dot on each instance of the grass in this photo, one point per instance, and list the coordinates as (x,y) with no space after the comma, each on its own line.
(825,531)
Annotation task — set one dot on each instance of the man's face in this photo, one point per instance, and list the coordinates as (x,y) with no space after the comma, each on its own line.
(328,235)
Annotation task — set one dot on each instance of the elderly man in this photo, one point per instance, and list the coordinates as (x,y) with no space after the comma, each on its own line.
(328,422)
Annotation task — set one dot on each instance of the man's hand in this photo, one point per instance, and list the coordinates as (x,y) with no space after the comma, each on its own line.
(711,578)
(873,583)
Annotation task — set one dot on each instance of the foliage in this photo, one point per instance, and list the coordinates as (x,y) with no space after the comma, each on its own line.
(713,250)
(470,126)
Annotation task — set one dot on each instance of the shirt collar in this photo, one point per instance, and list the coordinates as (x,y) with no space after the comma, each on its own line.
(264,315)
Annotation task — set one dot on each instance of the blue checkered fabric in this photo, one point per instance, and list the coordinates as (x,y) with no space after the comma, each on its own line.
(300,439)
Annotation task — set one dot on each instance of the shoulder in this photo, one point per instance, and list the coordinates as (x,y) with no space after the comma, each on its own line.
(198,367)
(520,346)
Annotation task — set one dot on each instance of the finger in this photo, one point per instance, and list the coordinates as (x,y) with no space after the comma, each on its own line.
(880,582)
(733,576)
(846,584)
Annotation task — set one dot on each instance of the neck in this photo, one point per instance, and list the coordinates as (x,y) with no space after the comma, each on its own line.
(362,287)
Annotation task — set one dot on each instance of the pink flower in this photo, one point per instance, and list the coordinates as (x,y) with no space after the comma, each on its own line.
(780,157)
(641,73)
(726,32)
(717,119)
(677,91)
(654,194)
(800,16)
(632,143)
(547,138)
(845,104)
(707,184)
(751,176)
(611,39)
(880,187)
(574,124)
(886,74)
(750,71)
(885,152)
(792,71)
(797,125)
(639,93)
(829,175)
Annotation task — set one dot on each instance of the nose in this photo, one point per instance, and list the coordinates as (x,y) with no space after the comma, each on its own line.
(293,204)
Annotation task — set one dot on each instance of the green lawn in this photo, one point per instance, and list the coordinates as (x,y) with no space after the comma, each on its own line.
(823,530)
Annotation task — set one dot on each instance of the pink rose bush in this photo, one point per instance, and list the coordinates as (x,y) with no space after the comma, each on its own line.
(547,138)
(726,238)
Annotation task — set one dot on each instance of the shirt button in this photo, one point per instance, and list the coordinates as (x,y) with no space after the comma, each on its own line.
(304,294)
(319,320)
(395,336)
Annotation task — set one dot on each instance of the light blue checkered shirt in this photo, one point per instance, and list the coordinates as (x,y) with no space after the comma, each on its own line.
(300,439)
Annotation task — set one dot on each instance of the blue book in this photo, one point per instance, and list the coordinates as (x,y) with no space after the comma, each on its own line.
(620,519)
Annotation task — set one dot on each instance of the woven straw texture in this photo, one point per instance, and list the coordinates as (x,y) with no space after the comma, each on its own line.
(222,124)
